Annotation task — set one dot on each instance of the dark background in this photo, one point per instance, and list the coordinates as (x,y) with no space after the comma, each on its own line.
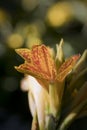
(27,22)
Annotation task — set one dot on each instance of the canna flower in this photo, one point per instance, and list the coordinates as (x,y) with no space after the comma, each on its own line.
(40,64)
(45,82)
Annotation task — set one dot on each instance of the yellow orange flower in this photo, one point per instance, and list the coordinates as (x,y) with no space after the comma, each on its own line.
(39,63)
(43,69)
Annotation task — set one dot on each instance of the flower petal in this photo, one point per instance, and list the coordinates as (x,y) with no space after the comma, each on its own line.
(60,54)
(43,60)
(24,53)
(38,62)
(40,98)
(30,69)
(66,67)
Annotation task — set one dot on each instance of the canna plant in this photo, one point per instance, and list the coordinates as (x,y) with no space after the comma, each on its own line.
(56,86)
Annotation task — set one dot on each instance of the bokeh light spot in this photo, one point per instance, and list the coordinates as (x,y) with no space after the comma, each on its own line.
(33,41)
(59,14)
(15,41)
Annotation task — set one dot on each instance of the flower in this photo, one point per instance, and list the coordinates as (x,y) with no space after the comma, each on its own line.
(40,64)
(45,83)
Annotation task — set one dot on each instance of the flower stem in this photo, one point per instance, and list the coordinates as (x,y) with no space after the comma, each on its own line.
(54,100)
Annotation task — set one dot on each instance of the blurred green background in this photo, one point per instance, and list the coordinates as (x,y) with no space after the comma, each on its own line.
(24,23)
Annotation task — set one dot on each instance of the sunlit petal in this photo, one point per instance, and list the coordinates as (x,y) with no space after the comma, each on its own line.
(66,67)
(38,63)
(24,53)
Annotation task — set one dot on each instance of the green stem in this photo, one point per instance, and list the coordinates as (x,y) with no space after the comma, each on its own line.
(53,109)
(54,100)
